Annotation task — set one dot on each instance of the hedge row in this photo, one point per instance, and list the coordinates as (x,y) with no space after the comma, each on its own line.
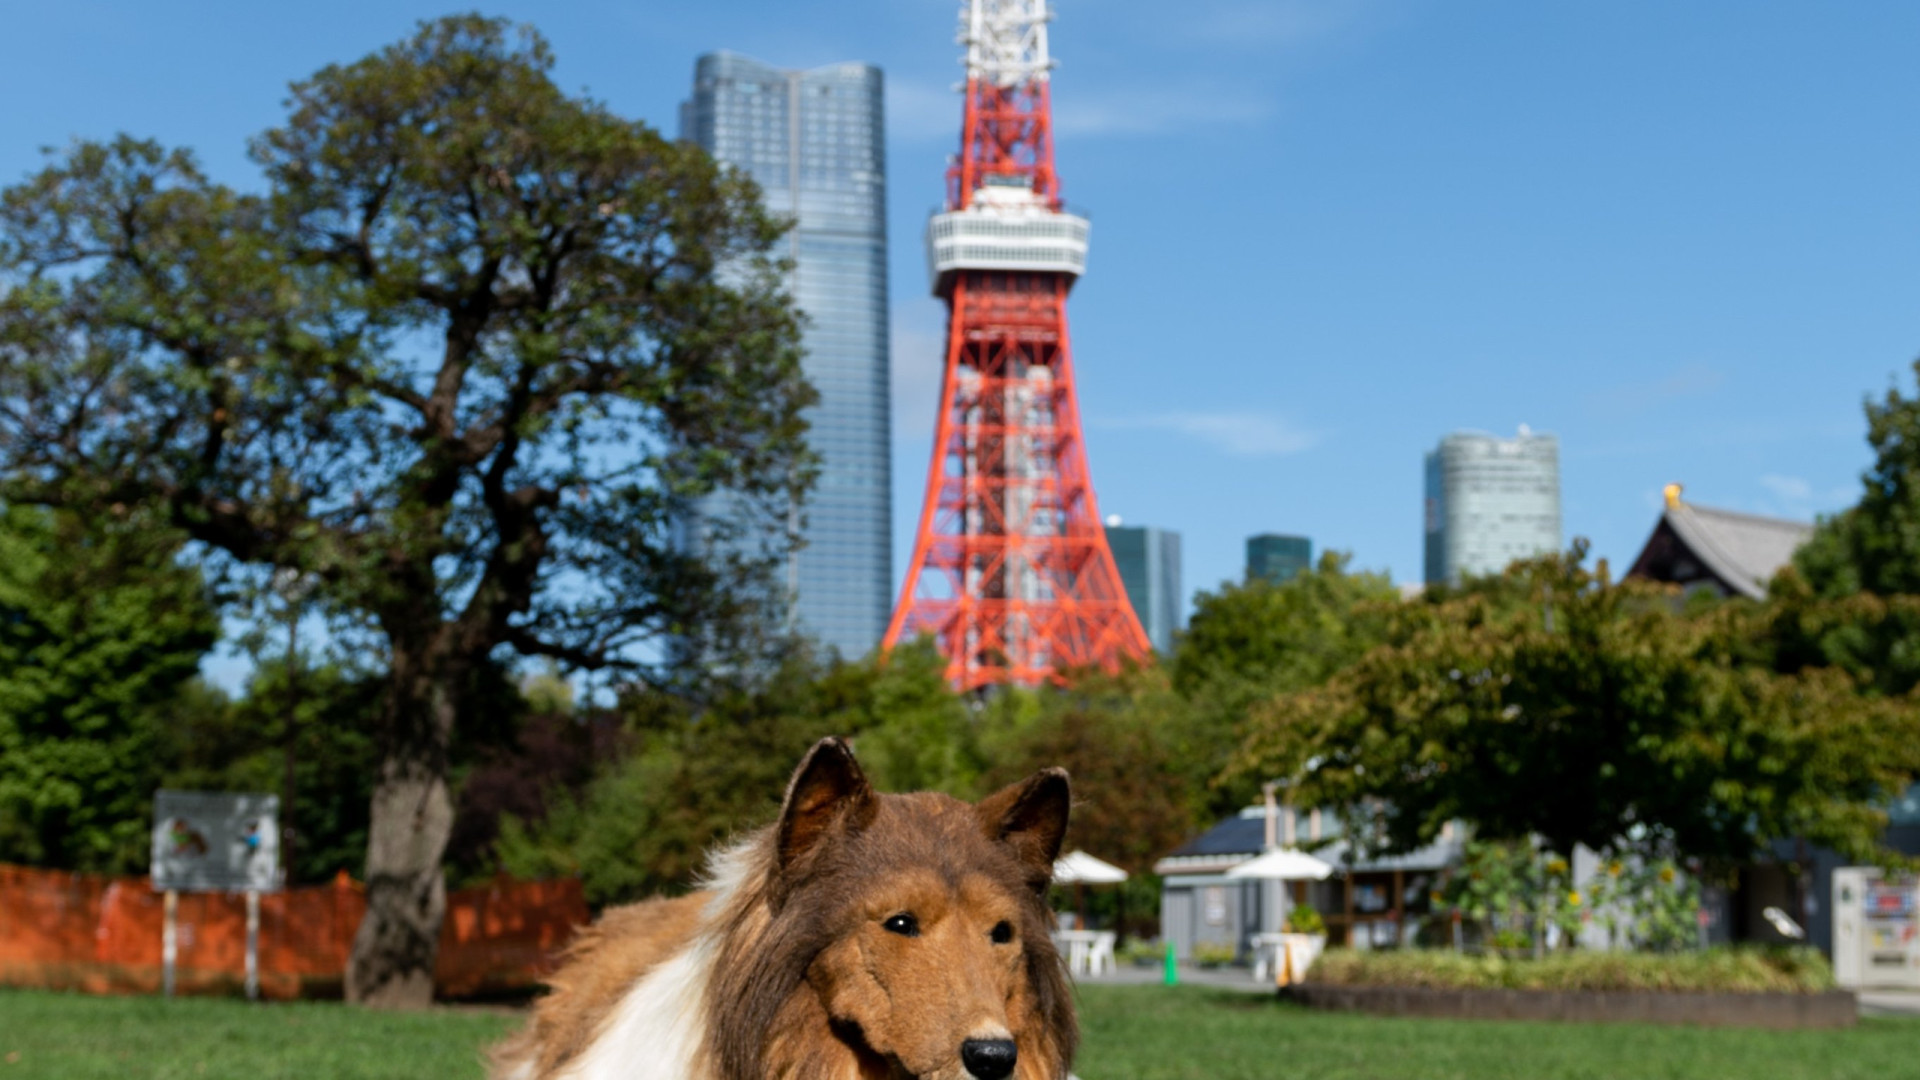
(1742,969)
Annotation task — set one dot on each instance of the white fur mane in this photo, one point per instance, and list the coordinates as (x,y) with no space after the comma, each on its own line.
(658,1030)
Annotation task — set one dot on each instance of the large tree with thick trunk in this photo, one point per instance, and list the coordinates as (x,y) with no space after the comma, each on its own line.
(462,363)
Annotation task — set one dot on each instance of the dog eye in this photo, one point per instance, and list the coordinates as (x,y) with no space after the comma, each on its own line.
(1002,933)
(903,924)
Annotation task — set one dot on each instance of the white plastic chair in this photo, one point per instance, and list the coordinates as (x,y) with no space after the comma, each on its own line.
(1100,953)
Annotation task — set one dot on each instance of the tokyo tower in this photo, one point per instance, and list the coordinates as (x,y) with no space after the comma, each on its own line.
(1011,572)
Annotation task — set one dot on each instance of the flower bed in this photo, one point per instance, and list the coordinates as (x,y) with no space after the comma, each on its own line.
(1729,970)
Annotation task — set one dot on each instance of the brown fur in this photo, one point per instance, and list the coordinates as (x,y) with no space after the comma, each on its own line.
(601,963)
(807,982)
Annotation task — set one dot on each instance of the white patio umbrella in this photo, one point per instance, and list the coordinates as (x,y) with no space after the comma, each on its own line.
(1080,868)
(1283,864)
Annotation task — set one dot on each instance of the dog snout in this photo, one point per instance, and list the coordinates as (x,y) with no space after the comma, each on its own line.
(989,1059)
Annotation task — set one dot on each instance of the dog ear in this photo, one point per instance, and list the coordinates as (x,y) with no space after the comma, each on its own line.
(827,788)
(1031,818)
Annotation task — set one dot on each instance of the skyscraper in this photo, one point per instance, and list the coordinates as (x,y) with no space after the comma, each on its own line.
(1149,563)
(814,142)
(1278,559)
(1490,501)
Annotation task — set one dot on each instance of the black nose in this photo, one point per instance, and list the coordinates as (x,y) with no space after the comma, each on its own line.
(989,1059)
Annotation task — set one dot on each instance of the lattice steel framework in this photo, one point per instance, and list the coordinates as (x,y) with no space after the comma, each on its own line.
(1011,572)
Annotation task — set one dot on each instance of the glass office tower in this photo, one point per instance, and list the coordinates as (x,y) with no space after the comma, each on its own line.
(814,142)
(1149,564)
(1278,558)
(1490,501)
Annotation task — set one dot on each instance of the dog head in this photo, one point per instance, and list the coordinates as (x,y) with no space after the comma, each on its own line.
(918,924)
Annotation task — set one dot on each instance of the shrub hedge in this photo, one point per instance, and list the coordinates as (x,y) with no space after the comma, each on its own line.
(1740,969)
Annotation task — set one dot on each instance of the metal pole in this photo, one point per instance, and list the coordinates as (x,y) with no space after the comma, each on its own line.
(288,835)
(169,940)
(253,945)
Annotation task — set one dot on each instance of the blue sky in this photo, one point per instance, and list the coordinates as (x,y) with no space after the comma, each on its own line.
(1680,236)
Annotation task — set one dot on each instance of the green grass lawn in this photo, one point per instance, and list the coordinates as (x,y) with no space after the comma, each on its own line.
(1192,1033)
(70,1037)
(1131,1033)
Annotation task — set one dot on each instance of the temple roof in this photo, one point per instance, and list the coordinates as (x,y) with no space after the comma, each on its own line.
(1737,552)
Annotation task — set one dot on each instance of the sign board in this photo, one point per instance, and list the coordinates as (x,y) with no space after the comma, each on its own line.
(214,841)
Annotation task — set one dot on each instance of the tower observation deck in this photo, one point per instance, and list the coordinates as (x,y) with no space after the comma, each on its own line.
(1011,573)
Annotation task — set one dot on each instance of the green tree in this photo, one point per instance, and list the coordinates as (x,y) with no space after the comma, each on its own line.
(1135,795)
(213,744)
(101,633)
(462,365)
(1139,789)
(1870,551)
(912,732)
(704,770)
(1249,642)
(1593,713)
(1875,546)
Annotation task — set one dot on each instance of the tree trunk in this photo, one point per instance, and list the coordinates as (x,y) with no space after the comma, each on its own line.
(412,817)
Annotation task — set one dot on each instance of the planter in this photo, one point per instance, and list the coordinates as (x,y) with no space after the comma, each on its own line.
(1832,1009)
(1301,951)
(1285,958)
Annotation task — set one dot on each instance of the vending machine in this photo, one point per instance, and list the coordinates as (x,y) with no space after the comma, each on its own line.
(1876,929)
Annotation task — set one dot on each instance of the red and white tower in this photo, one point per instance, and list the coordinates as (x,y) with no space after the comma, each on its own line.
(1011,571)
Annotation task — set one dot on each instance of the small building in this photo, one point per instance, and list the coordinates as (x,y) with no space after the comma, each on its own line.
(1369,903)
(1731,554)
(1277,558)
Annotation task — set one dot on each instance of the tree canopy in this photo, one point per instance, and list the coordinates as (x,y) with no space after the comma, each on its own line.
(1873,549)
(463,364)
(1552,700)
(212,743)
(100,632)
(1248,642)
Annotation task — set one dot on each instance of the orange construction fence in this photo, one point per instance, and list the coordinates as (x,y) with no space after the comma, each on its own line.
(102,935)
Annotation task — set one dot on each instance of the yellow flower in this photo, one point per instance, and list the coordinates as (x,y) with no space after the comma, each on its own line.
(1573,898)
(1436,897)
(1557,867)
(1613,868)
(1666,875)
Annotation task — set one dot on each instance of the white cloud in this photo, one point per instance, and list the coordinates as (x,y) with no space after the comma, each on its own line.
(1801,496)
(1788,488)
(1136,111)
(1241,434)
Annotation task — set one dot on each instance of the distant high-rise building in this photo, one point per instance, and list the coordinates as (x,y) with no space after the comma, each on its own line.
(1149,564)
(1278,558)
(1490,501)
(814,142)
